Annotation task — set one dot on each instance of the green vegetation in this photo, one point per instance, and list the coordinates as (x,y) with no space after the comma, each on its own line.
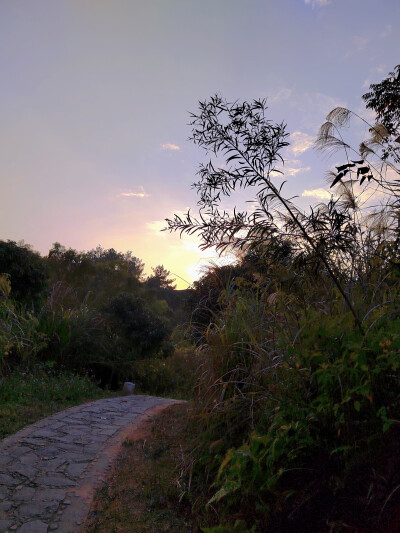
(296,405)
(25,397)
(151,500)
(298,401)
(174,376)
(76,324)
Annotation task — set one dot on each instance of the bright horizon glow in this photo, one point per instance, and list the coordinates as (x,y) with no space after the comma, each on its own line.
(96,96)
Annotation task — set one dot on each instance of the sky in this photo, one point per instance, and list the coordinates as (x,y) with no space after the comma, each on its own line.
(95,97)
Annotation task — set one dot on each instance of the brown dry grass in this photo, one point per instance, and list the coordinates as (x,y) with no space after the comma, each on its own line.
(148,490)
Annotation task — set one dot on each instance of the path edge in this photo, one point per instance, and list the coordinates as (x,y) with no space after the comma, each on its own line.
(80,497)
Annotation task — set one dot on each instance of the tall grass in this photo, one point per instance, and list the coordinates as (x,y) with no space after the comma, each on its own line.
(292,393)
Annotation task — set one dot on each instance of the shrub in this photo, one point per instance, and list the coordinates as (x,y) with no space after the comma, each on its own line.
(174,375)
(26,270)
(136,329)
(20,339)
(317,407)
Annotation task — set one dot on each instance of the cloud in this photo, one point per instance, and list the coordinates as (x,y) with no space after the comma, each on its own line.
(318,3)
(130,194)
(283,94)
(289,171)
(291,168)
(156,227)
(170,146)
(380,69)
(365,196)
(321,194)
(360,42)
(386,32)
(300,142)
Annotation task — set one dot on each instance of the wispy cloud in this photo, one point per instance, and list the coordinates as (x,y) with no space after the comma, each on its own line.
(282,94)
(289,171)
(318,3)
(386,32)
(300,142)
(366,196)
(170,146)
(292,167)
(156,228)
(321,194)
(360,42)
(380,69)
(131,194)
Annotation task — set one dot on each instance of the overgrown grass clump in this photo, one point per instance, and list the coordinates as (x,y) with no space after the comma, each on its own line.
(143,493)
(26,396)
(174,376)
(290,400)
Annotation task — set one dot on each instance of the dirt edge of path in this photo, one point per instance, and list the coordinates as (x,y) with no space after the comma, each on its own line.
(80,498)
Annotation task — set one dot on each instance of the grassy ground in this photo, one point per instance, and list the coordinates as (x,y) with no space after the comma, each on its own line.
(149,489)
(27,397)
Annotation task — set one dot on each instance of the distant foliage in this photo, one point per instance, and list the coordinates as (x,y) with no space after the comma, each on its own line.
(26,270)
(160,279)
(86,312)
(140,332)
(20,338)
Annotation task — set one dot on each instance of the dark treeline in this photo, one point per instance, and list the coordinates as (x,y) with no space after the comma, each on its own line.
(88,312)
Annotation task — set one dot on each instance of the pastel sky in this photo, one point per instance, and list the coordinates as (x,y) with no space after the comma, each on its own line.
(95,98)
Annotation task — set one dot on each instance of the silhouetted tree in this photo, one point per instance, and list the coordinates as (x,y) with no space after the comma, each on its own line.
(251,145)
(160,279)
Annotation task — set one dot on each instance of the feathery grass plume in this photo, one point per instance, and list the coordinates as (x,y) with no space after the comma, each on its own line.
(340,116)
(345,191)
(327,140)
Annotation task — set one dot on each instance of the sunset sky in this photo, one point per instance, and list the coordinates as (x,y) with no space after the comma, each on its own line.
(95,98)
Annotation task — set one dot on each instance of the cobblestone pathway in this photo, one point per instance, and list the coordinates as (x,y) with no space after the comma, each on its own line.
(49,470)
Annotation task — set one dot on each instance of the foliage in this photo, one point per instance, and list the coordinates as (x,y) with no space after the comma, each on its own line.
(74,331)
(20,339)
(97,316)
(326,392)
(377,156)
(173,376)
(384,99)
(26,396)
(160,279)
(26,271)
(132,320)
(301,374)
(99,272)
(251,146)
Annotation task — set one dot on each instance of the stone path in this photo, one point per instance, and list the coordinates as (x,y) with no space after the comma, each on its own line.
(50,470)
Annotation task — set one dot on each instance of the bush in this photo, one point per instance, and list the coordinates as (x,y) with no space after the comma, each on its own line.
(135,328)
(75,333)
(26,270)
(20,339)
(277,418)
(174,375)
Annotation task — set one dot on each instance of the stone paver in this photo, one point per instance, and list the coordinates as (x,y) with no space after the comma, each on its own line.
(50,470)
